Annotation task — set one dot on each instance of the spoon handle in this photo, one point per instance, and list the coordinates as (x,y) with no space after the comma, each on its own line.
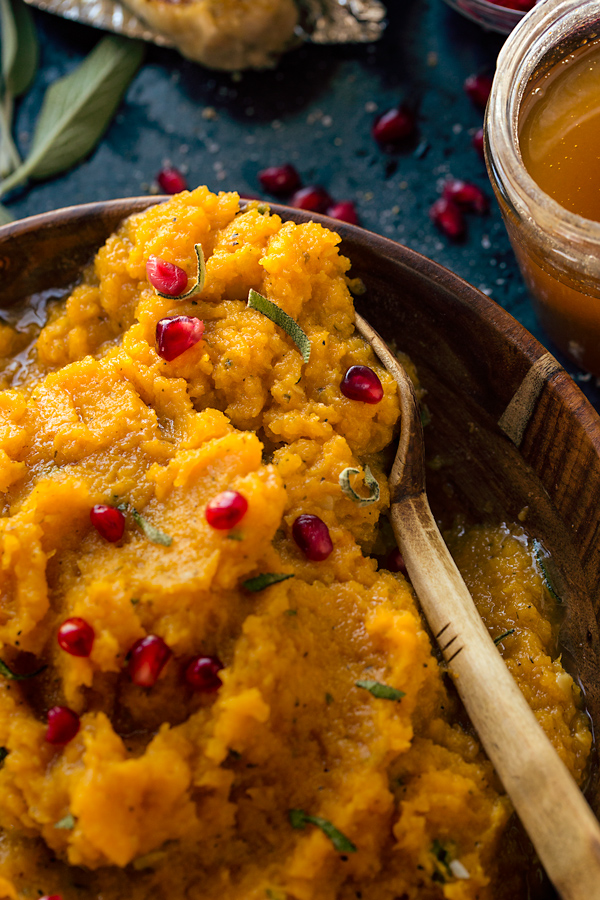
(561,825)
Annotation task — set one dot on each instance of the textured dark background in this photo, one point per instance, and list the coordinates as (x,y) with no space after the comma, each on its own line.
(314,110)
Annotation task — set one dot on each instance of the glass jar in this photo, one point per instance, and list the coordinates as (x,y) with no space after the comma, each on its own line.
(557,250)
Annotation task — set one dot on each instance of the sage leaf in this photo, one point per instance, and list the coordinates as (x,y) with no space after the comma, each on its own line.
(67,822)
(5,215)
(381,691)
(154,535)
(300,819)
(19,64)
(77,109)
(12,676)
(443,858)
(281,318)
(265,580)
(20,51)
(370,482)
(9,155)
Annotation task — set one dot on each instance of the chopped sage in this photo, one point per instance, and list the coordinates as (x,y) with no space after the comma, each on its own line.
(265,580)
(234,536)
(539,555)
(300,819)
(443,861)
(370,481)
(506,634)
(381,691)
(12,676)
(153,534)
(200,278)
(3,755)
(67,822)
(281,318)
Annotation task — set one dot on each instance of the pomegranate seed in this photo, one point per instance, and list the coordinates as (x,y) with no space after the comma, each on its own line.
(108,521)
(147,659)
(361,383)
(313,198)
(447,216)
(312,536)
(395,562)
(478,89)
(394,126)
(343,211)
(466,194)
(171,181)
(279,179)
(176,334)
(63,725)
(76,636)
(202,674)
(51,897)
(478,142)
(166,277)
(226,510)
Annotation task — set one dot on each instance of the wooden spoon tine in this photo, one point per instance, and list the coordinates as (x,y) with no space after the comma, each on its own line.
(561,825)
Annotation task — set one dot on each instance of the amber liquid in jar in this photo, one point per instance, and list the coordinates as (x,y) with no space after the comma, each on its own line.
(560,147)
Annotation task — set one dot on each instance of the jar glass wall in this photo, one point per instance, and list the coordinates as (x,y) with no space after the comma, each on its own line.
(557,250)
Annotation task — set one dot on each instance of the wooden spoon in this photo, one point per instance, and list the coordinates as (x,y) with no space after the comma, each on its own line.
(561,825)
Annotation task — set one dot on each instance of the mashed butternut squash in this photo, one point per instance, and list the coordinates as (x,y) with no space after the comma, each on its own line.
(333,761)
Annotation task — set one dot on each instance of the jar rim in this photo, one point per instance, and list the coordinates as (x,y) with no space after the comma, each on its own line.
(544,28)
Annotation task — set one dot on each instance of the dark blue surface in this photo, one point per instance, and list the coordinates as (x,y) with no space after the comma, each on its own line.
(314,110)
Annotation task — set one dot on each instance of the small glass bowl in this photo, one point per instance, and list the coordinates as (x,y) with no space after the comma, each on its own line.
(489,15)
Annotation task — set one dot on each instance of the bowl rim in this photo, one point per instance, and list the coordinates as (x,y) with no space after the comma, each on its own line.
(526,345)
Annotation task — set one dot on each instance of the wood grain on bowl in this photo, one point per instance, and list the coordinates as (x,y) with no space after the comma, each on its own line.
(516,437)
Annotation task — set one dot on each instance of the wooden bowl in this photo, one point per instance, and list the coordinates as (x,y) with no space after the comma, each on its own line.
(522,439)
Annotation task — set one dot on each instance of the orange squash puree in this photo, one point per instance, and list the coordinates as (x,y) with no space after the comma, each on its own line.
(169,793)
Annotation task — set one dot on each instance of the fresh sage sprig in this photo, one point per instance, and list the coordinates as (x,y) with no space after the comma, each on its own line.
(19,64)
(19,48)
(77,109)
